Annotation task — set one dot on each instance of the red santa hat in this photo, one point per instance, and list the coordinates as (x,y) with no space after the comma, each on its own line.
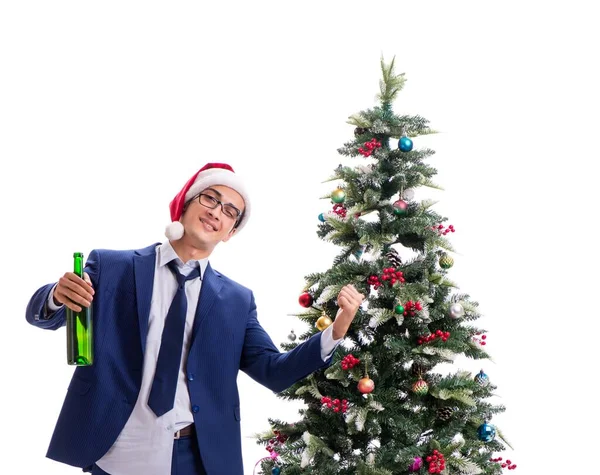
(209,175)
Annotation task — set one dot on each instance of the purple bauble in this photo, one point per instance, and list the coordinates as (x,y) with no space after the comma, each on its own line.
(416,465)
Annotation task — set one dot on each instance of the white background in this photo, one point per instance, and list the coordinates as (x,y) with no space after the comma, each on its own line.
(107,108)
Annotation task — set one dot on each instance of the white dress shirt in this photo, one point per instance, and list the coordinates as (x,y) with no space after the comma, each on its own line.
(145,444)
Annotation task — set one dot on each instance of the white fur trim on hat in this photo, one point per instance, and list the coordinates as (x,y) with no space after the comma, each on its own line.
(218,176)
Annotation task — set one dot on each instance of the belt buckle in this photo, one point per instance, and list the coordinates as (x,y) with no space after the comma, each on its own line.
(178,434)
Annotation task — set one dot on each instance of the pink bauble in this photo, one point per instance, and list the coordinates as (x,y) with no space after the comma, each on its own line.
(416,465)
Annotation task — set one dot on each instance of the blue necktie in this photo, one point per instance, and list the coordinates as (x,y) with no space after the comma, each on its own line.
(162,393)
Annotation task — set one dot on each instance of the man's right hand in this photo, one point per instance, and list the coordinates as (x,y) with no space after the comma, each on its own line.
(73,291)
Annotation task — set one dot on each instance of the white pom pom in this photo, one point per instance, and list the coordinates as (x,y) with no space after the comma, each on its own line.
(174,231)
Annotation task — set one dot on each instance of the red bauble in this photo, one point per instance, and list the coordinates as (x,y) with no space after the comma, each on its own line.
(306,300)
(366,385)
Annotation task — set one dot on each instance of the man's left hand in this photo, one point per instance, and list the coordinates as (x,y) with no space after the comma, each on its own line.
(349,299)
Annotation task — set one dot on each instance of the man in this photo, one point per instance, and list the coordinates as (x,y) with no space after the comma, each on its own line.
(161,396)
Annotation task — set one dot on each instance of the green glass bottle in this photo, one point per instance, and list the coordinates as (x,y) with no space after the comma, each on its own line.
(80,338)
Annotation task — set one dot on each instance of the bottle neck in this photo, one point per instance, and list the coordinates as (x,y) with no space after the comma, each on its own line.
(78,265)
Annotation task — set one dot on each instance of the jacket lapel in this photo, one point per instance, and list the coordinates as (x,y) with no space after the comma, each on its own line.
(211,286)
(144,262)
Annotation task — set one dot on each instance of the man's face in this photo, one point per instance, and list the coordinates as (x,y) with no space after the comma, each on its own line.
(207,227)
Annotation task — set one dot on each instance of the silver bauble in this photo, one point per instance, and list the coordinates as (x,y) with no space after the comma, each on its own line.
(408,194)
(456,311)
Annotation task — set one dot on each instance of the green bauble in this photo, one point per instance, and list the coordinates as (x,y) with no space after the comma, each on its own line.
(338,196)
(400,207)
(399,309)
(446,261)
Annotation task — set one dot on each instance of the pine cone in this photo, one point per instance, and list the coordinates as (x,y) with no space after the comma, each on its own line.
(360,131)
(418,369)
(393,257)
(444,413)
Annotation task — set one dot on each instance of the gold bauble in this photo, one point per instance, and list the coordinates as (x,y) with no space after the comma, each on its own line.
(446,261)
(323,322)
(338,196)
(420,387)
(366,385)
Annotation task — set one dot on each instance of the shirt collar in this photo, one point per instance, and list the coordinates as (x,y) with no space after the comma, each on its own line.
(166,254)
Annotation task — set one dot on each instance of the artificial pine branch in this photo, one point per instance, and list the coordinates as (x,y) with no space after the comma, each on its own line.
(391,83)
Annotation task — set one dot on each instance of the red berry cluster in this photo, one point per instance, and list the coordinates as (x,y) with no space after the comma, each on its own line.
(507,464)
(349,362)
(479,338)
(390,274)
(411,307)
(339,209)
(367,151)
(436,461)
(276,442)
(442,230)
(437,334)
(336,404)
(393,275)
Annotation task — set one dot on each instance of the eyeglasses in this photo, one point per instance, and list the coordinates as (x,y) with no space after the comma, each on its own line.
(211,202)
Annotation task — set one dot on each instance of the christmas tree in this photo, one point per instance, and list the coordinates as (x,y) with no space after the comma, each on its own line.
(383,407)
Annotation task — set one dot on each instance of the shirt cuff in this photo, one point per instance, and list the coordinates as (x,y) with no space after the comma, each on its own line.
(328,344)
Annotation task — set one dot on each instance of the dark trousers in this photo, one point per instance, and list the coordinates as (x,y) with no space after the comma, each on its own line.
(186,458)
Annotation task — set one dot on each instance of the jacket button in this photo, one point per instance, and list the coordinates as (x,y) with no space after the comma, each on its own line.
(195,409)
(190,376)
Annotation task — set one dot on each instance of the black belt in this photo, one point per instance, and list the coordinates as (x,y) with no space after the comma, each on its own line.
(185,432)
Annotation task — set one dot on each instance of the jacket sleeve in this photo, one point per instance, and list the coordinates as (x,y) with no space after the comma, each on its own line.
(37,312)
(263,362)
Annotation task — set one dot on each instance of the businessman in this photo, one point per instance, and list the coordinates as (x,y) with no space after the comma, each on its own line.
(170,335)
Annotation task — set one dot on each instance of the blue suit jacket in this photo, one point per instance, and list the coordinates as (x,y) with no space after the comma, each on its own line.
(226,338)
